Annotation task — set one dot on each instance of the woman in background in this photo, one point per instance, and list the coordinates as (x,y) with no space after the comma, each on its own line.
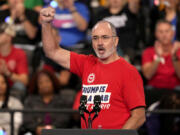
(8,102)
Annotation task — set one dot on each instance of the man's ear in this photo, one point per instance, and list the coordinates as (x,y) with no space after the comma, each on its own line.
(116,41)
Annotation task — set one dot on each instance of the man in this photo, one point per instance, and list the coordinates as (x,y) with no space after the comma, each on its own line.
(13,61)
(25,20)
(161,63)
(108,75)
(123,14)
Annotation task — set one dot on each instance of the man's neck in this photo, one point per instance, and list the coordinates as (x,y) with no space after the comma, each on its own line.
(5,49)
(115,10)
(167,48)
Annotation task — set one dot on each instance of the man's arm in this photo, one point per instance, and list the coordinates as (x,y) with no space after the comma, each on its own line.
(50,46)
(176,64)
(136,119)
(150,68)
(176,58)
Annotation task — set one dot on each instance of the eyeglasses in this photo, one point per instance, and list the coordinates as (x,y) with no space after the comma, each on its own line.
(104,38)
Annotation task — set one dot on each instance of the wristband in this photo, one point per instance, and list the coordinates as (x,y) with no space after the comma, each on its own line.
(159,59)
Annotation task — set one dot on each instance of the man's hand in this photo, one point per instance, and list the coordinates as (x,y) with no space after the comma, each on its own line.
(158,48)
(3,68)
(47,15)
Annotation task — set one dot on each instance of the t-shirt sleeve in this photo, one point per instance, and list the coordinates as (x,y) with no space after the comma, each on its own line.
(22,65)
(84,11)
(147,56)
(133,92)
(178,54)
(77,62)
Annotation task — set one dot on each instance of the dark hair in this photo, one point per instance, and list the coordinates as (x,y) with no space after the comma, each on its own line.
(33,85)
(7,94)
(162,21)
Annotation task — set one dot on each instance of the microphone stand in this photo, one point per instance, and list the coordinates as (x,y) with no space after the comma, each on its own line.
(89,121)
(96,109)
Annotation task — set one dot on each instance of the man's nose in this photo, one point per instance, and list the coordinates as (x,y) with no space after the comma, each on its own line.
(100,41)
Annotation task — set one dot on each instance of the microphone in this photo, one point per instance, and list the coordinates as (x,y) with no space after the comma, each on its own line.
(82,107)
(97,102)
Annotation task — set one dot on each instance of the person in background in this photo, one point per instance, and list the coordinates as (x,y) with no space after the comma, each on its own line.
(167,10)
(161,63)
(71,19)
(25,20)
(8,102)
(13,61)
(44,86)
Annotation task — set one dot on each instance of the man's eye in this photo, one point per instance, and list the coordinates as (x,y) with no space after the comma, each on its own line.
(105,37)
(95,38)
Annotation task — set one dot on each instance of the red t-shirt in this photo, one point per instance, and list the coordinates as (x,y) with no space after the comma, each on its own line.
(165,76)
(118,83)
(16,61)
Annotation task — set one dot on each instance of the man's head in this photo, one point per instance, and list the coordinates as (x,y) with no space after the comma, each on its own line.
(7,32)
(104,40)
(164,32)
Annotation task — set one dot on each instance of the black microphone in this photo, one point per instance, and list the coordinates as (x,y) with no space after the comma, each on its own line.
(82,107)
(97,102)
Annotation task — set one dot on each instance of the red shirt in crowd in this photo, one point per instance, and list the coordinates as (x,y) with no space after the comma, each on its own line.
(165,76)
(16,61)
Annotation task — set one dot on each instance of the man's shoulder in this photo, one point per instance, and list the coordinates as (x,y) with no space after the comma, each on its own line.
(149,49)
(89,57)
(18,52)
(126,66)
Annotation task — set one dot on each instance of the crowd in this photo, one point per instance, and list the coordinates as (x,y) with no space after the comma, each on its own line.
(149,38)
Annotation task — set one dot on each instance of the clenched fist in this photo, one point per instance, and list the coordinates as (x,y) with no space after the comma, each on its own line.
(47,15)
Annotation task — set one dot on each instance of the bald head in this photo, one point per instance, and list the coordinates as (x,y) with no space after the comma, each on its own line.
(109,25)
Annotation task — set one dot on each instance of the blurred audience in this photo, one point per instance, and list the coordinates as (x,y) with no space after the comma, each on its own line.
(71,19)
(25,20)
(167,10)
(161,63)
(45,86)
(13,61)
(8,102)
